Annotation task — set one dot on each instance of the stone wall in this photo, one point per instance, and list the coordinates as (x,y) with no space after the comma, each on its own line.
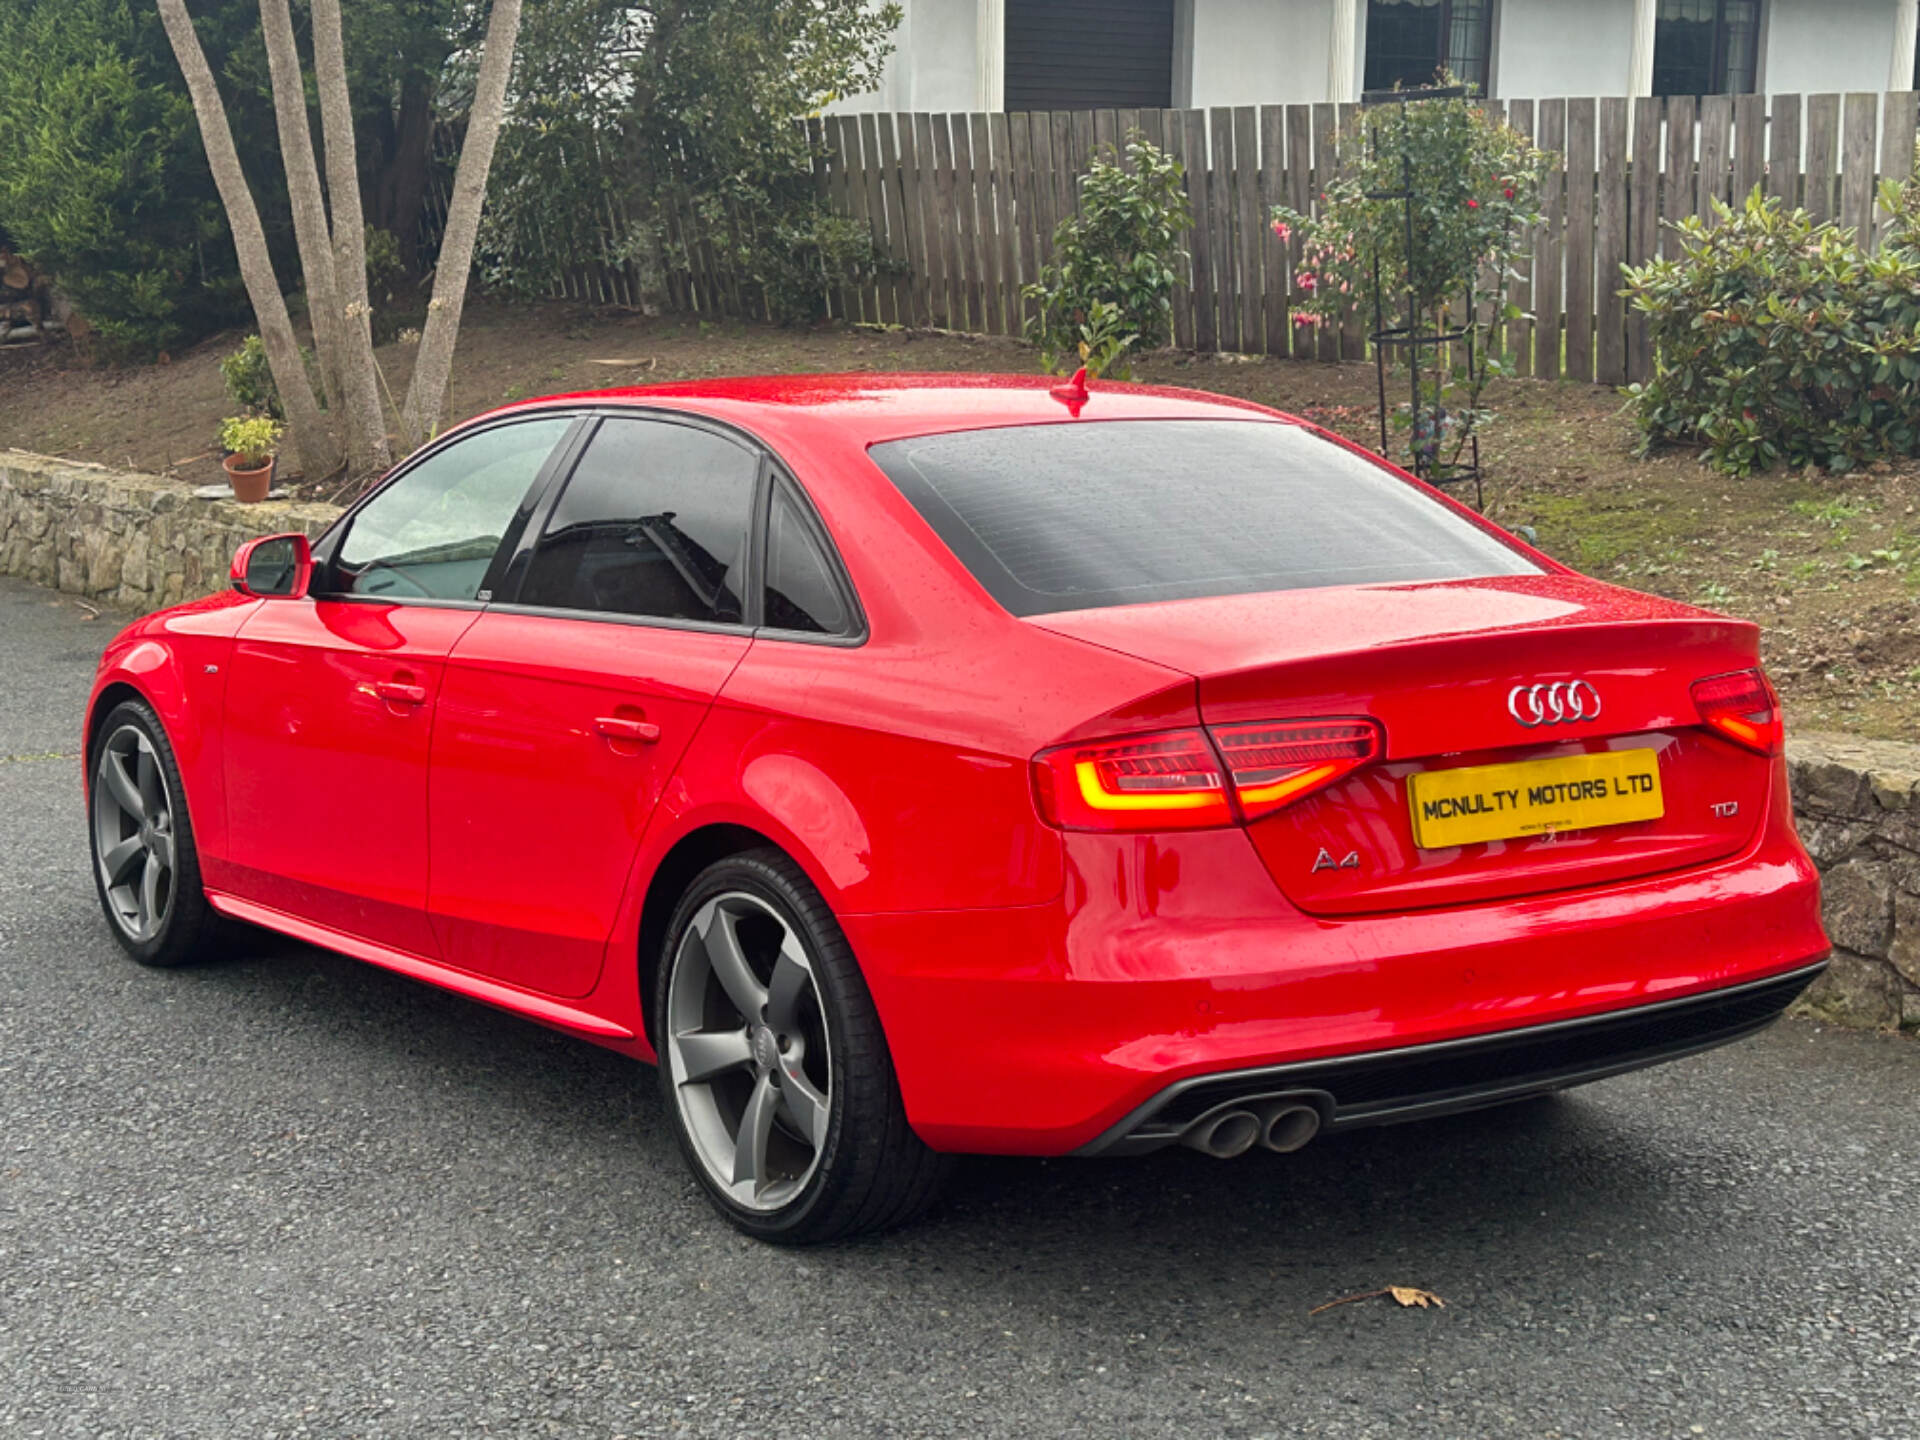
(1858,804)
(133,541)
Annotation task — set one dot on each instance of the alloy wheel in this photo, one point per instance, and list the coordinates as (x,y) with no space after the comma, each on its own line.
(747,1051)
(133,834)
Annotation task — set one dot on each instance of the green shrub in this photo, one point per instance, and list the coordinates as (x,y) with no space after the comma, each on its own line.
(249,380)
(103,180)
(1109,289)
(801,257)
(250,383)
(1778,339)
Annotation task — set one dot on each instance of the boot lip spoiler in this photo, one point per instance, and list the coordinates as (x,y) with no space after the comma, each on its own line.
(1489,1068)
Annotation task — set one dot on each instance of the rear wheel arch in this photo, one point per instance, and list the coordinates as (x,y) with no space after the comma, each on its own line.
(677,870)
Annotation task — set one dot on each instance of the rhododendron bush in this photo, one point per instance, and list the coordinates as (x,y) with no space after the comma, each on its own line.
(1777,338)
(1475,185)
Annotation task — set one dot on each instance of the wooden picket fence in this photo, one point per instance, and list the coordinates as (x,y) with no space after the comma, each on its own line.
(967,205)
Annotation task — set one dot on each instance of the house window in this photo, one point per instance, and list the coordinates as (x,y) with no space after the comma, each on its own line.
(1705,47)
(1410,41)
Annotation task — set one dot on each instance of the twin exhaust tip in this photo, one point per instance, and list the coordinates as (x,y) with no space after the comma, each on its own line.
(1280,1124)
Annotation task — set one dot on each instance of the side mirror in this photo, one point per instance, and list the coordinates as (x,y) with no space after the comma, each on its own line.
(273,567)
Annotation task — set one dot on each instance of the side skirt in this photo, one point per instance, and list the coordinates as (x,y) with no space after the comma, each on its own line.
(461,982)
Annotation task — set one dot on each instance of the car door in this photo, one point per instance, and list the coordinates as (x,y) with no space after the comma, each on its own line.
(330,699)
(568,703)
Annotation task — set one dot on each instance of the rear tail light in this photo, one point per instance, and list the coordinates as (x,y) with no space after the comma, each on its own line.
(1743,707)
(1167,781)
(1276,763)
(1174,779)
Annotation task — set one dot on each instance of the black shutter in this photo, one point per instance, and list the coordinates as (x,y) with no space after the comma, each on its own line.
(1089,54)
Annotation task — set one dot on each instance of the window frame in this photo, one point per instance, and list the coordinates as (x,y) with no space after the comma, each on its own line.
(778,478)
(771,472)
(326,578)
(1488,23)
(1718,55)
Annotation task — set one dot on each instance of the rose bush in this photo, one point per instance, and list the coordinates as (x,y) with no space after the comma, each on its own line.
(1475,189)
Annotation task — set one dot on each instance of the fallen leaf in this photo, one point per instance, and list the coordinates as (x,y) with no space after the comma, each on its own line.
(1405,1295)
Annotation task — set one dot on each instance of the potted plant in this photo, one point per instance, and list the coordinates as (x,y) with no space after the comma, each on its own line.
(249,441)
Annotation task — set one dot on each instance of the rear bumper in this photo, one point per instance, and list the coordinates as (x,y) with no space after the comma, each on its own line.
(1173,960)
(1421,1081)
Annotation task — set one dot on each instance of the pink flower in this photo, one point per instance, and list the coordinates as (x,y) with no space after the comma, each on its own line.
(1281,230)
(1307,281)
(1508,192)
(1345,288)
(1301,317)
(1473,204)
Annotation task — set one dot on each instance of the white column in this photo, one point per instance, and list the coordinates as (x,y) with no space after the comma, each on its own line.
(1340,52)
(992,46)
(1640,56)
(1906,22)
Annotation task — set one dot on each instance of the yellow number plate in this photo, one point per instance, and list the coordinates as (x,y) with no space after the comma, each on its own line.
(1503,802)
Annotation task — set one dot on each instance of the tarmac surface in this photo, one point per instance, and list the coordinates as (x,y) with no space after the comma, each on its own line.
(287,1194)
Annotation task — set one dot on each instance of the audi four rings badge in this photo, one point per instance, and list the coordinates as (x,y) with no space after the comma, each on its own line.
(1560,703)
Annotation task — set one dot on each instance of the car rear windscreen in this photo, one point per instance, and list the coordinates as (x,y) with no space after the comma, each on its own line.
(1080,516)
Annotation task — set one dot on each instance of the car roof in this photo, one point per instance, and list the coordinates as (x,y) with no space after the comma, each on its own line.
(870,408)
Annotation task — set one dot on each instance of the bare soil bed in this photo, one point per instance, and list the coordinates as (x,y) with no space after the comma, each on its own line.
(1829,566)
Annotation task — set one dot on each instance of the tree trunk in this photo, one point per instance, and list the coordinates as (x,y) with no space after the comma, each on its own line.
(401,190)
(367,450)
(303,188)
(312,449)
(427,394)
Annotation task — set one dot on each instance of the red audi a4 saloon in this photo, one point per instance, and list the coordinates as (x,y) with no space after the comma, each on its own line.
(922,765)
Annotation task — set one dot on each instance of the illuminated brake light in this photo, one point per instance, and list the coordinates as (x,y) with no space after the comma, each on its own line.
(1743,707)
(1170,780)
(1274,763)
(1173,780)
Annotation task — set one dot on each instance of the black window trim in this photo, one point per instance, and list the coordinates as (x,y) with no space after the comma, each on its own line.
(507,571)
(508,601)
(328,546)
(779,478)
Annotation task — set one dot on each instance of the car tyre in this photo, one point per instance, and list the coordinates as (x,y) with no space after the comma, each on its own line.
(146,869)
(773,1064)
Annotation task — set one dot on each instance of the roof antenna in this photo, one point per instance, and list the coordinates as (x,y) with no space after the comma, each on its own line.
(1073,394)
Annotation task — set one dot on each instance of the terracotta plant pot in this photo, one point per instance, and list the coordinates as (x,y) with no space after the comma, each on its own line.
(250,487)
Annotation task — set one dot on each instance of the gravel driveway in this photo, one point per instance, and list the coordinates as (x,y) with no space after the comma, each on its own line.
(288,1194)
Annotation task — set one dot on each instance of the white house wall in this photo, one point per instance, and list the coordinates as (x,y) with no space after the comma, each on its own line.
(1258,52)
(1550,48)
(935,64)
(1814,46)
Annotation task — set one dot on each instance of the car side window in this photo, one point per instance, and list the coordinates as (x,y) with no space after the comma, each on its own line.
(802,593)
(432,532)
(653,523)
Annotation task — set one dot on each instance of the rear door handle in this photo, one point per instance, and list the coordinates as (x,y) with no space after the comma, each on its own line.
(400,693)
(622,727)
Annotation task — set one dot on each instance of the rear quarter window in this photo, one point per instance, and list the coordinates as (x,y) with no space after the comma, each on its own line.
(1085,515)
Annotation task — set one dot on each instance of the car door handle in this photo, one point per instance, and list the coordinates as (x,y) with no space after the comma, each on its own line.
(623,727)
(398,693)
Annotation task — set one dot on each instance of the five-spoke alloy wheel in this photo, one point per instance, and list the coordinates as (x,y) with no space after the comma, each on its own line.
(747,1047)
(133,834)
(773,1063)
